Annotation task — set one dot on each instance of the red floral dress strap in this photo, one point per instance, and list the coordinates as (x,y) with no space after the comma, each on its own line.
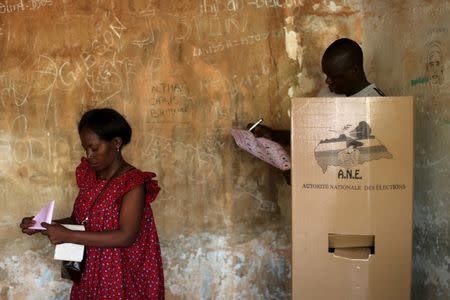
(152,187)
(135,178)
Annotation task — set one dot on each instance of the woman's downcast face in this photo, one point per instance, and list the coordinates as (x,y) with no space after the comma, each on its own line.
(100,153)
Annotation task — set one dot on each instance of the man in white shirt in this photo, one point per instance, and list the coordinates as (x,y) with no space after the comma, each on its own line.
(342,63)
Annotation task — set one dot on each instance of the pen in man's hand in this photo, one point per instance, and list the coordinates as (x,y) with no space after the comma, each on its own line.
(256,124)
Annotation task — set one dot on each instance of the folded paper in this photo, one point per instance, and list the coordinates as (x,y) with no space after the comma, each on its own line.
(264,149)
(44,215)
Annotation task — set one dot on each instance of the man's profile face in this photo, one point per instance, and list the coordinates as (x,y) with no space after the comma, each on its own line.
(338,76)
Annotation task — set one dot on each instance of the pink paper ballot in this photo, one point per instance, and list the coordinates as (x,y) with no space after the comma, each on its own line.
(266,150)
(44,215)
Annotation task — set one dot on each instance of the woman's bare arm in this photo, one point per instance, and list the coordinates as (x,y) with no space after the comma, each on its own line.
(131,213)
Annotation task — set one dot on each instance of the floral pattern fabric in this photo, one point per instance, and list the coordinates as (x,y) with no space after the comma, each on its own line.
(133,272)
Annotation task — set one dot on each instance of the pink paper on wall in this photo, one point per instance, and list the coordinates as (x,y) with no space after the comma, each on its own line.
(264,149)
(44,215)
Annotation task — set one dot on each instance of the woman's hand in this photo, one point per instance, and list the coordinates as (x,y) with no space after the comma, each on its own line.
(56,233)
(26,223)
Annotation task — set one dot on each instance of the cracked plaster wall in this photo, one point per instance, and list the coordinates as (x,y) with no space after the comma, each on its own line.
(409,50)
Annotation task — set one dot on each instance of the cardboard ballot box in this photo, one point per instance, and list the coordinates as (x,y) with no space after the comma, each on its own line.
(352,181)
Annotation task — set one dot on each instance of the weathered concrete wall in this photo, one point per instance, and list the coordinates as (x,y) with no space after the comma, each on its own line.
(408,47)
(183,73)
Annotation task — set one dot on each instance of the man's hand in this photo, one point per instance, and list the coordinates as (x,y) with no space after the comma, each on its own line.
(261,131)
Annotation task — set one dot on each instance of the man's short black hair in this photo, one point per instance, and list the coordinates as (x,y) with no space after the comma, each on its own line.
(346,49)
(107,124)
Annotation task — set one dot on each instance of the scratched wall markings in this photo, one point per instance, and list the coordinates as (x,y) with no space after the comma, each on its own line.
(255,78)
(216,7)
(431,10)
(222,25)
(168,100)
(274,3)
(177,28)
(98,68)
(10,7)
(199,165)
(13,94)
(225,45)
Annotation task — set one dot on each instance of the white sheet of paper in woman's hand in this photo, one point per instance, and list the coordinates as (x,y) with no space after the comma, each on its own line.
(70,251)
(264,149)
(44,215)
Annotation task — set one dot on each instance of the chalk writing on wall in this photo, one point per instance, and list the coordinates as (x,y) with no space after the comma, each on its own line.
(215,7)
(435,9)
(9,7)
(221,46)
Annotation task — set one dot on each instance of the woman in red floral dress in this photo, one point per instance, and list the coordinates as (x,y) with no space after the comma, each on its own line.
(123,258)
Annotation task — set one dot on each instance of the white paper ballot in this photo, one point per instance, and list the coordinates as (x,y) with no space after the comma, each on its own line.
(69,251)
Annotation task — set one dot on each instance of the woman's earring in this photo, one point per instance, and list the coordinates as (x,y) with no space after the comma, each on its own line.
(117,149)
